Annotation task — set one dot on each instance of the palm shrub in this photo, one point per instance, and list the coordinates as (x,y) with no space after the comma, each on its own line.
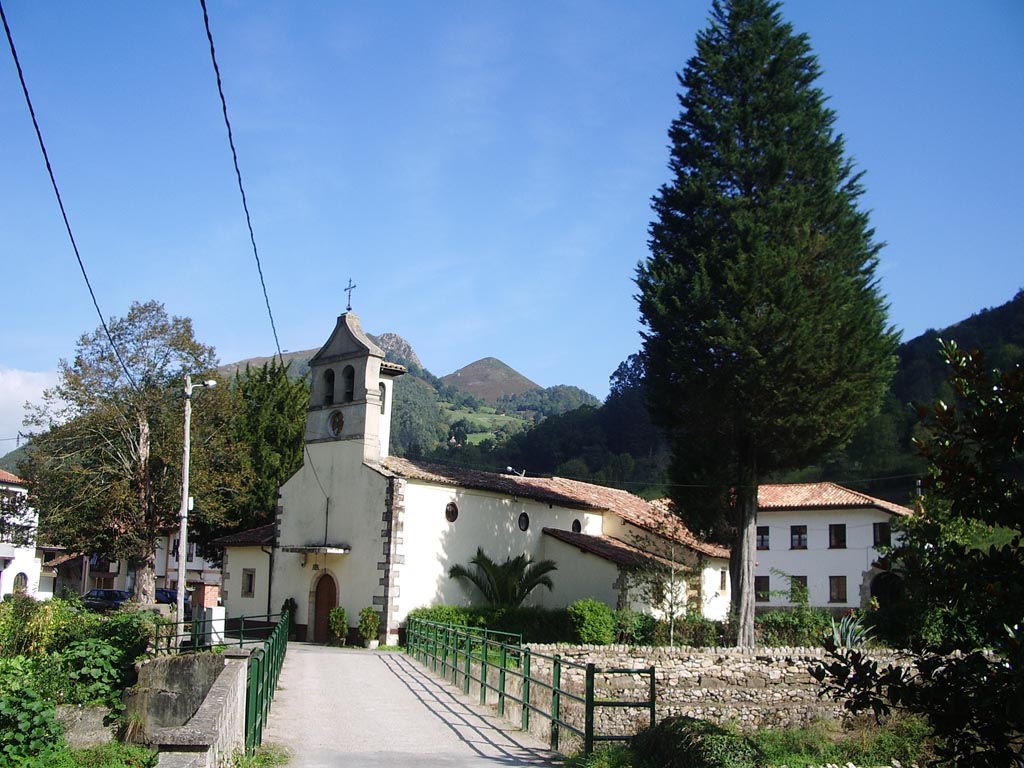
(506,583)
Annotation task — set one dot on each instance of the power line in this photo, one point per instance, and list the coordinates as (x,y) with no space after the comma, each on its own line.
(60,202)
(238,174)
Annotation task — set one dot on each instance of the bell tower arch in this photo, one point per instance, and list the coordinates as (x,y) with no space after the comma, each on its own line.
(352,391)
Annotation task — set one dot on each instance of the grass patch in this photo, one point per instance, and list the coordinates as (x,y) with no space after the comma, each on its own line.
(112,755)
(905,739)
(267,756)
(609,757)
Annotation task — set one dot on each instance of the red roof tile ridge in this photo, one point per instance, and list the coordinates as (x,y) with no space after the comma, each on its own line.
(10,478)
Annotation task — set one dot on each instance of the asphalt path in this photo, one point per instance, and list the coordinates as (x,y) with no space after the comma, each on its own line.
(354,707)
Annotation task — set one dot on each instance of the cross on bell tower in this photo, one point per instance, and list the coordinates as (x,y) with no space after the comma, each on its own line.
(348,289)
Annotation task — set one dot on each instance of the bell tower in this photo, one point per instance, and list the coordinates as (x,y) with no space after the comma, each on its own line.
(352,390)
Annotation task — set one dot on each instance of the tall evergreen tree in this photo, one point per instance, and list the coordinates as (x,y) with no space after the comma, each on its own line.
(766,340)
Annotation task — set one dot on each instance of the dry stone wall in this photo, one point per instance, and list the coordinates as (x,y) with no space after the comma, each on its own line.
(770,687)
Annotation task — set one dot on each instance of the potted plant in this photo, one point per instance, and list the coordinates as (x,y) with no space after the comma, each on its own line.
(369,625)
(337,620)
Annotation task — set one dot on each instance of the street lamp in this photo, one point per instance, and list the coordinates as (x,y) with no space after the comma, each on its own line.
(183,531)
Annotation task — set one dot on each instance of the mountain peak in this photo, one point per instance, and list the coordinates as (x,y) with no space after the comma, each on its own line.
(489,379)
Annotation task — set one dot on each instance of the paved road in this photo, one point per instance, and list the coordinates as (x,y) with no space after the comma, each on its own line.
(348,707)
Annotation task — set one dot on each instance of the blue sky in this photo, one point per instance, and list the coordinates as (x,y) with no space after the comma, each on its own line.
(481,170)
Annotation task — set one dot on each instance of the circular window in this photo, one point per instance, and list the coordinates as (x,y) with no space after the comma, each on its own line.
(576,526)
(524,521)
(451,512)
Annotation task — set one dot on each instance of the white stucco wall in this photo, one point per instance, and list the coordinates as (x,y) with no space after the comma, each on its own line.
(348,510)
(488,520)
(580,575)
(236,561)
(25,560)
(818,562)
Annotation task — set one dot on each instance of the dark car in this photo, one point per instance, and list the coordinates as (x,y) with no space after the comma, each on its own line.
(105,599)
(167,596)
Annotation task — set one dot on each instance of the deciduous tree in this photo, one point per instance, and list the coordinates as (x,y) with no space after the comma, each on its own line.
(104,466)
(766,340)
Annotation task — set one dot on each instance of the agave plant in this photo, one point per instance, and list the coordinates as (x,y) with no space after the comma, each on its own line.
(850,632)
(508,583)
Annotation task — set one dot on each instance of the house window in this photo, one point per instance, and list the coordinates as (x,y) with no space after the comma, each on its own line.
(837,589)
(248,582)
(191,555)
(577,526)
(762,537)
(21,584)
(383,398)
(797,589)
(761,589)
(524,521)
(451,512)
(723,580)
(798,537)
(329,387)
(837,536)
(882,534)
(348,378)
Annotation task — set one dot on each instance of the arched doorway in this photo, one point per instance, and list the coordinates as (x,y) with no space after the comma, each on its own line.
(325,598)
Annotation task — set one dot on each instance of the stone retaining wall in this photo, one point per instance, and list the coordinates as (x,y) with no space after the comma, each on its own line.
(209,733)
(765,687)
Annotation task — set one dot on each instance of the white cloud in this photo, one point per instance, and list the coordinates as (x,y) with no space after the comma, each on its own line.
(17,387)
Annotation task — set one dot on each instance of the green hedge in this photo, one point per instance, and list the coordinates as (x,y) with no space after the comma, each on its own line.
(593,622)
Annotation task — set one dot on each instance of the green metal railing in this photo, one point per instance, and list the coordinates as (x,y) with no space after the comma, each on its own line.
(267,637)
(265,665)
(200,634)
(453,652)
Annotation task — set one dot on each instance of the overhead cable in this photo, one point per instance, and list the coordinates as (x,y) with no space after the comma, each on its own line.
(60,202)
(238,174)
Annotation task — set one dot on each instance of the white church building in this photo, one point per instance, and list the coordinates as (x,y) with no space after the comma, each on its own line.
(357,527)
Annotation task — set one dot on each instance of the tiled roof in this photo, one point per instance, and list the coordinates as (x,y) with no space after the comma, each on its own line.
(7,477)
(820,495)
(607,548)
(559,490)
(254,537)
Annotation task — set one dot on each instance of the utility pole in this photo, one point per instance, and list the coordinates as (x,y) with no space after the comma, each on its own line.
(185,461)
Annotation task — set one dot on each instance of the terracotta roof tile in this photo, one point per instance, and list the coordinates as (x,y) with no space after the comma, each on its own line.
(561,491)
(10,479)
(820,495)
(606,548)
(253,537)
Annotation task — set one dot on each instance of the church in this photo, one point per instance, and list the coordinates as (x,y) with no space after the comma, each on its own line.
(357,527)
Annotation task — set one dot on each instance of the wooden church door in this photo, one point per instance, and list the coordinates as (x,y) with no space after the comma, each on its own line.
(326,598)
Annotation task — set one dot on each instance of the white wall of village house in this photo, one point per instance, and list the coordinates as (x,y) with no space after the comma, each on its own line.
(353,518)
(580,575)
(818,562)
(236,561)
(714,600)
(488,520)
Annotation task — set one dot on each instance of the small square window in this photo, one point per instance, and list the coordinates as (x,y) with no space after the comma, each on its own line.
(763,537)
(248,582)
(837,589)
(797,589)
(762,588)
(837,536)
(882,534)
(798,537)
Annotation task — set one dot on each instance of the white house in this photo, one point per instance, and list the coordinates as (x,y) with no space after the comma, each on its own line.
(357,527)
(198,570)
(827,538)
(21,564)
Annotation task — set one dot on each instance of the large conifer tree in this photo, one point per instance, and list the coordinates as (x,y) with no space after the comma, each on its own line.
(766,340)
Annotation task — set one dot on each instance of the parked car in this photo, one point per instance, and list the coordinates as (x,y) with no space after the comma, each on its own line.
(167,596)
(105,599)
